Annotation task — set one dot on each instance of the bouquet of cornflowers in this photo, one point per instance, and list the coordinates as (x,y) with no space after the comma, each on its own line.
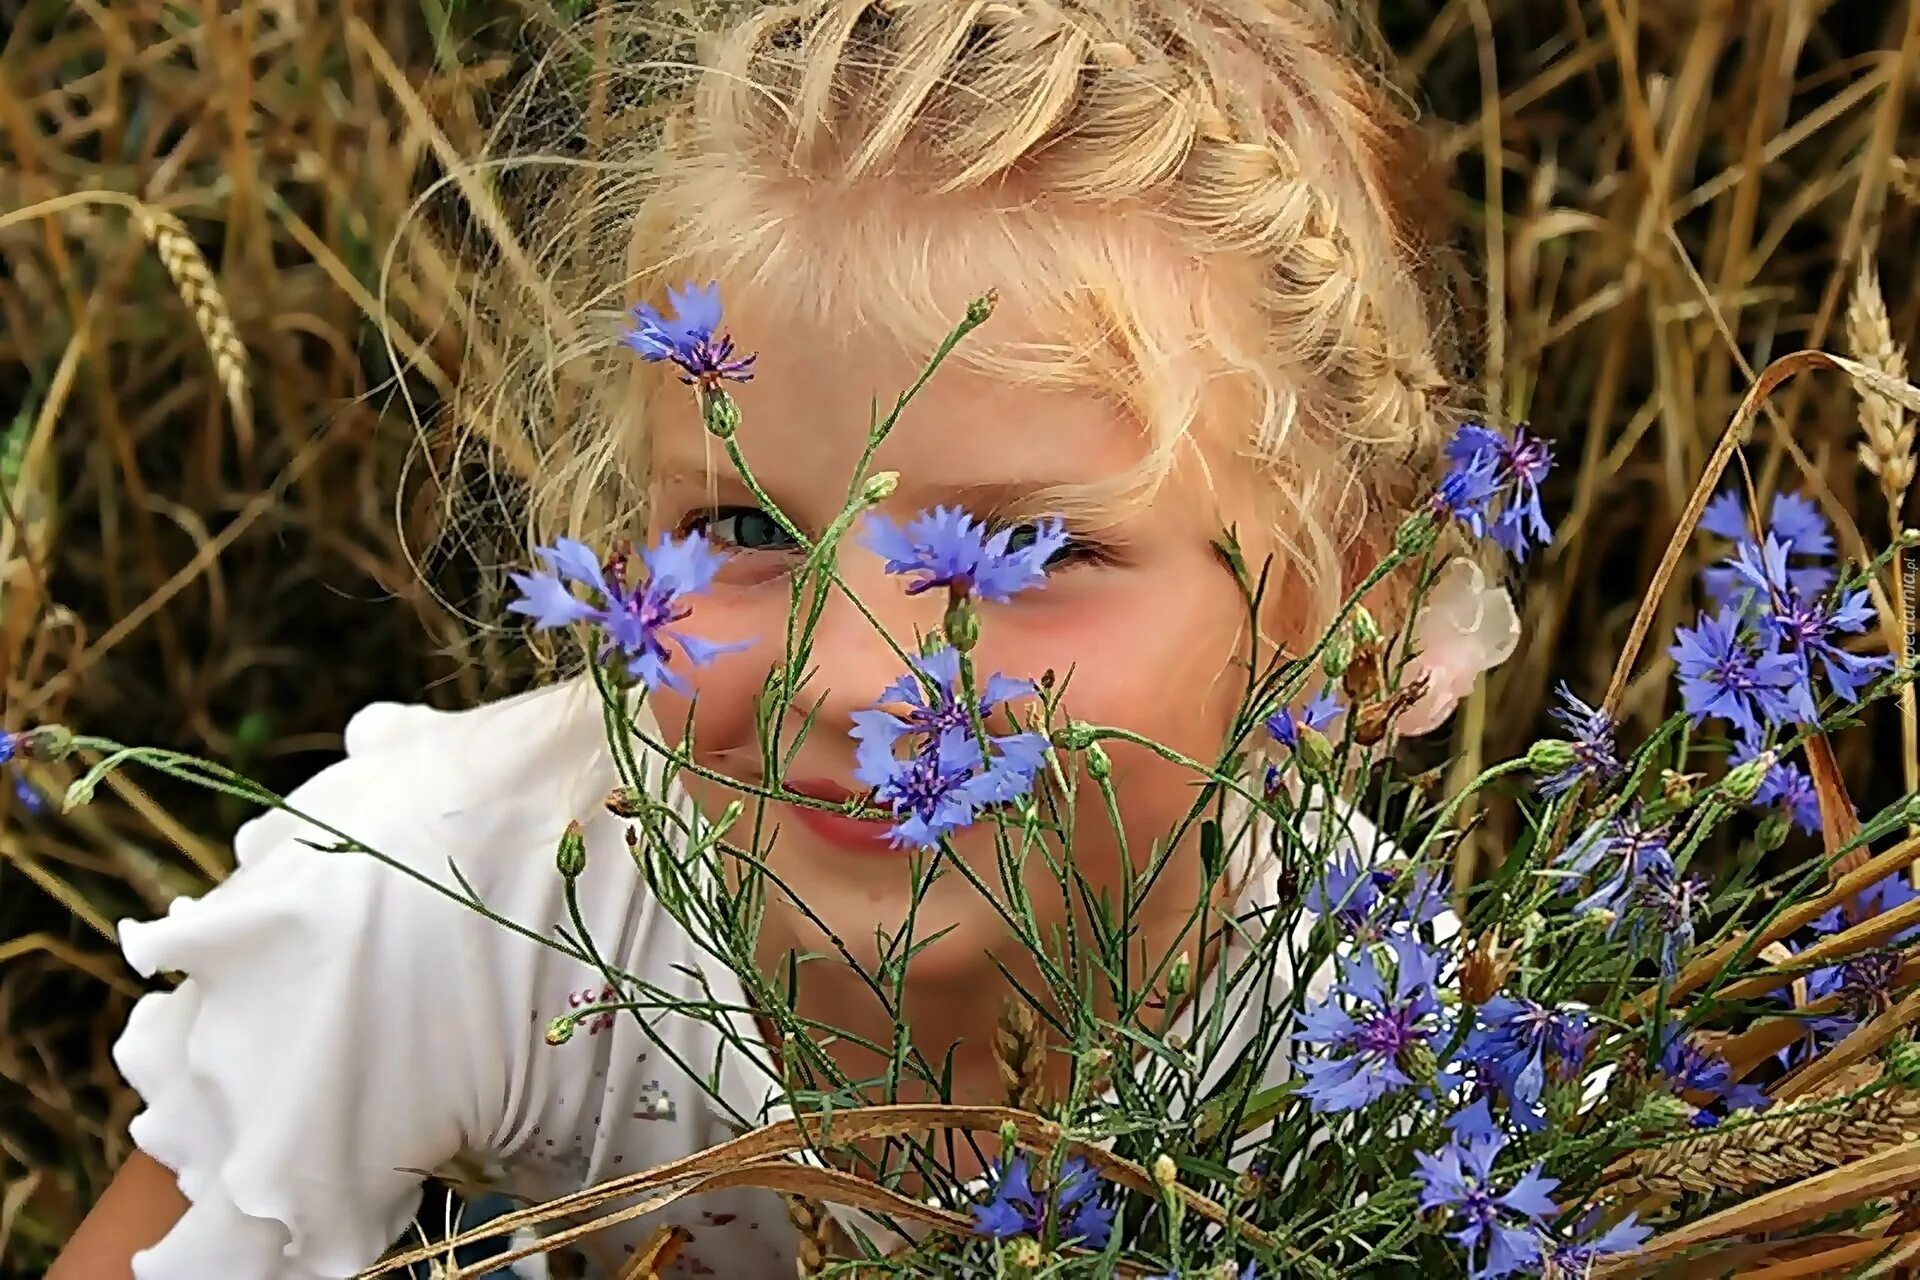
(1593,1061)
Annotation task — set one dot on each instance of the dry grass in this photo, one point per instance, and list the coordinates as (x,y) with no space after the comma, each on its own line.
(200,547)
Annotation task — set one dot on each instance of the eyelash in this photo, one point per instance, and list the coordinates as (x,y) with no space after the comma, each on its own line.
(1078,551)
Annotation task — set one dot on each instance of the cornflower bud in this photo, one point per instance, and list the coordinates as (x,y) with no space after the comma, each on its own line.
(1009,1134)
(1099,764)
(879,487)
(47,742)
(1023,1257)
(1179,974)
(981,307)
(571,857)
(1772,832)
(1076,735)
(560,1030)
(624,802)
(1314,751)
(1416,534)
(1164,1173)
(720,413)
(1743,781)
(1677,789)
(1337,656)
(1549,756)
(1420,1062)
(962,623)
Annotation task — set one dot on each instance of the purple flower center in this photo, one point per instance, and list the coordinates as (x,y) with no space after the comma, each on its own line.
(923,784)
(1387,1033)
(1529,458)
(1865,980)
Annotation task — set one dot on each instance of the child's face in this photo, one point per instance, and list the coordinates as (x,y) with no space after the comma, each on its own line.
(1144,615)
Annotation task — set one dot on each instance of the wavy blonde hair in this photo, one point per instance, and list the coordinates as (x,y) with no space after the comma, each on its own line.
(1206,206)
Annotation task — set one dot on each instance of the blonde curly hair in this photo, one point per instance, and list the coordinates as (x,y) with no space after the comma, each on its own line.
(1207,206)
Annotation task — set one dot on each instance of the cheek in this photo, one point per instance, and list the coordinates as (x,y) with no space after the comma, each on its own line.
(725,691)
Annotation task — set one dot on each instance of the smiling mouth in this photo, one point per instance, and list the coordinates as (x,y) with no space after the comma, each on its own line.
(842,830)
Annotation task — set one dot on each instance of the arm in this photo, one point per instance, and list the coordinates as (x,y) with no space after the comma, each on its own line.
(141,1204)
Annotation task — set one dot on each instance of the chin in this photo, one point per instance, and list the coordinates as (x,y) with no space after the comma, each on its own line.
(878,897)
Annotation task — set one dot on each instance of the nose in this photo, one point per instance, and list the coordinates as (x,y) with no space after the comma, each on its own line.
(853,659)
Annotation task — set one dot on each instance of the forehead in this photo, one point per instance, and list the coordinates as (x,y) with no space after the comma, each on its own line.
(819,387)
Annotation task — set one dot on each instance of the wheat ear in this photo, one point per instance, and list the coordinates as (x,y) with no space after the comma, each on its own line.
(201,292)
(1887,447)
(815,1225)
(1747,1156)
(1020,1051)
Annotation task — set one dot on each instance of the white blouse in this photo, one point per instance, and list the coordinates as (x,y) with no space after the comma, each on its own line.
(342,1028)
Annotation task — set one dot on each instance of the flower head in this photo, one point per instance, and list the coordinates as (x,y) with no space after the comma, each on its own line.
(1692,1068)
(9,746)
(1575,1259)
(1517,1043)
(687,337)
(1785,786)
(1384,1043)
(950,775)
(1071,1207)
(1369,901)
(1793,521)
(1489,470)
(1285,726)
(955,551)
(1807,625)
(633,619)
(1500,1229)
(1590,733)
(1724,672)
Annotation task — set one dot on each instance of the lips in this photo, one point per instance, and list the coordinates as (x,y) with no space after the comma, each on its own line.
(842,831)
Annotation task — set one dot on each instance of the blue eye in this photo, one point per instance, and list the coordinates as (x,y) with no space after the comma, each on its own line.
(742,528)
(1072,551)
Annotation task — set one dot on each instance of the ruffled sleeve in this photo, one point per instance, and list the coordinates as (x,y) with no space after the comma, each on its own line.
(319,1056)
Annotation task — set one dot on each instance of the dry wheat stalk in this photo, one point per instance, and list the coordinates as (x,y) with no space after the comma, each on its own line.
(815,1226)
(1887,449)
(201,292)
(1779,1149)
(1020,1051)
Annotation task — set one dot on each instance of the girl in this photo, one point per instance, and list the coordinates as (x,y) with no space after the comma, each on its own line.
(1199,220)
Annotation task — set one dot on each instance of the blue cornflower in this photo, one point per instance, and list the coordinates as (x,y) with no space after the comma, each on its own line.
(1636,850)
(1014,1208)
(1877,899)
(1369,901)
(1666,904)
(10,746)
(1366,1052)
(1501,471)
(1516,1042)
(1723,673)
(1465,491)
(1690,1068)
(1807,625)
(1794,521)
(1500,1229)
(1787,786)
(687,339)
(1590,733)
(1320,712)
(1575,1259)
(956,551)
(633,620)
(949,777)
